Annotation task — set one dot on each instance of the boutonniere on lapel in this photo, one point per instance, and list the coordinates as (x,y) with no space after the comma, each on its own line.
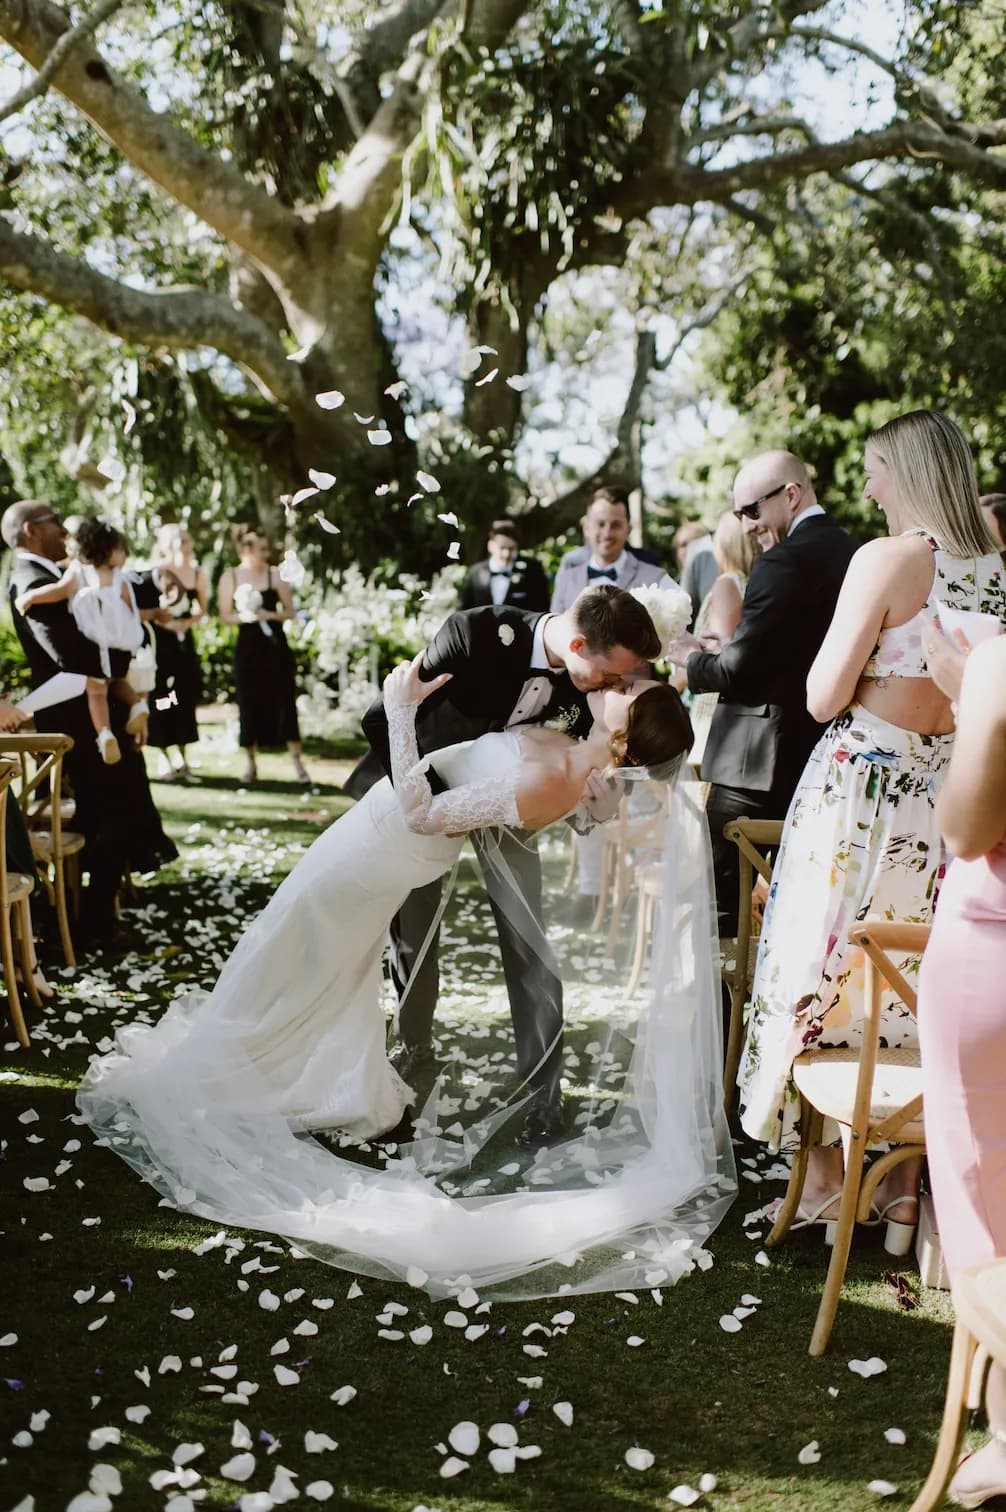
(562,720)
(505,633)
(518,570)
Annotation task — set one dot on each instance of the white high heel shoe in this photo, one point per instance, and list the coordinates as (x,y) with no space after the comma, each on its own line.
(898,1236)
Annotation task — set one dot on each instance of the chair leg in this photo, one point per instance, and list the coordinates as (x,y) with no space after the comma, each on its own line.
(602,891)
(24,950)
(7,956)
(567,880)
(840,1249)
(954,1410)
(59,887)
(643,931)
(735,1034)
(810,1126)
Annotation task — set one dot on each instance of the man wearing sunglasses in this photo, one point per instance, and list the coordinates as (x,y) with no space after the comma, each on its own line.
(761,733)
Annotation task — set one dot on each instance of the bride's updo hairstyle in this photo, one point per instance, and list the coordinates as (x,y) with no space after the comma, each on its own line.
(659,732)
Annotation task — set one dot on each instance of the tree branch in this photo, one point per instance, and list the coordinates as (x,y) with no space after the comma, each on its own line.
(761,24)
(214,190)
(178,318)
(67,42)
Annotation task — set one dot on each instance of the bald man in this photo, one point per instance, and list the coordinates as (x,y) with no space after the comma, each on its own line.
(761,734)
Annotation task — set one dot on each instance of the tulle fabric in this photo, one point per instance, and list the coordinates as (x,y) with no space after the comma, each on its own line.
(213,1105)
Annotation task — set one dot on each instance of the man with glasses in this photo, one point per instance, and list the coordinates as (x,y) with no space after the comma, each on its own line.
(115,811)
(761,733)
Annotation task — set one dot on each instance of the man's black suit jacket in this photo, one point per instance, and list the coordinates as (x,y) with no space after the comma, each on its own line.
(488,653)
(527,589)
(761,733)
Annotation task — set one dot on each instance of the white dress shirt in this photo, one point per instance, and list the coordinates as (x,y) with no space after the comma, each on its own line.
(537,691)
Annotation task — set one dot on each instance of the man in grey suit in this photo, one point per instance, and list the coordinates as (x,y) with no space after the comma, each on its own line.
(607,559)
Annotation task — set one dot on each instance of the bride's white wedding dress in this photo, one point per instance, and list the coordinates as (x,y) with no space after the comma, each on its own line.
(212,1104)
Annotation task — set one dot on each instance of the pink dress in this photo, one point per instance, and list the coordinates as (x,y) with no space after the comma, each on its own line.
(962,1033)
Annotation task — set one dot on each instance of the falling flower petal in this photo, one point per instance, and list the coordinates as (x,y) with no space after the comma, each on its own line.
(454,551)
(330,400)
(130,414)
(302,494)
(428,482)
(638,1459)
(319,479)
(379,437)
(396,390)
(481,382)
(450,519)
(326,524)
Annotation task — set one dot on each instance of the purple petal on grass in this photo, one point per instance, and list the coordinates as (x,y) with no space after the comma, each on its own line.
(13,1384)
(522,1407)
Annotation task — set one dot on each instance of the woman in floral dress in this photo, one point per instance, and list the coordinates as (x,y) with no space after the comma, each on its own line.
(861,836)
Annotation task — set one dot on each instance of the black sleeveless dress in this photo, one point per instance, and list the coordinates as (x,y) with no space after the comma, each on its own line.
(179,688)
(265,680)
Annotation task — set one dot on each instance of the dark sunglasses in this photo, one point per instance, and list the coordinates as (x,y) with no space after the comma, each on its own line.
(753,510)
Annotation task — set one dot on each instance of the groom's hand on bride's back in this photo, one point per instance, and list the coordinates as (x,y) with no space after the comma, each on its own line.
(405,685)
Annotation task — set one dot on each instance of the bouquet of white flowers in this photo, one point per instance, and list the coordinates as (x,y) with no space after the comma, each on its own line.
(247,603)
(669,608)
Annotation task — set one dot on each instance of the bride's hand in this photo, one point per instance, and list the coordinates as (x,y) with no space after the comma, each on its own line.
(404,685)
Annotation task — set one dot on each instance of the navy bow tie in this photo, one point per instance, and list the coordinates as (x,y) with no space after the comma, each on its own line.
(605,572)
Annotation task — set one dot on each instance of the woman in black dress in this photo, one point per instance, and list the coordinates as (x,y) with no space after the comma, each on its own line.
(254,597)
(179,687)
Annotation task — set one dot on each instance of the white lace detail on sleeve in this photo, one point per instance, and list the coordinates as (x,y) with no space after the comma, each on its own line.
(477,805)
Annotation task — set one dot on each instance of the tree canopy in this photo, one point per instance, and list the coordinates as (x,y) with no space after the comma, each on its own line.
(221,226)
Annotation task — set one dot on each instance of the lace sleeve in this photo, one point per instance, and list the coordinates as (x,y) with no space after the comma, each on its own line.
(474,806)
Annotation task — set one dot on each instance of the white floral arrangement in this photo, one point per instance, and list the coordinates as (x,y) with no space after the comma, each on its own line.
(669,608)
(247,602)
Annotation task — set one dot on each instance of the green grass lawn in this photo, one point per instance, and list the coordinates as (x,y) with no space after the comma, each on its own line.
(122,1334)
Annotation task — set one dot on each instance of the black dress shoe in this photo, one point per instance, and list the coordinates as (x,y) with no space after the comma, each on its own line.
(544,1124)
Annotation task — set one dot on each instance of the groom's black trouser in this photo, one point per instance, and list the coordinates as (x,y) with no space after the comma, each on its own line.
(533,984)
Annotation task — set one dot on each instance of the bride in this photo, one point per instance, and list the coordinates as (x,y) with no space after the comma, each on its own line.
(215,1105)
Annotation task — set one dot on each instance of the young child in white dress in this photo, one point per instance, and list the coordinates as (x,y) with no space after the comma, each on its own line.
(102,603)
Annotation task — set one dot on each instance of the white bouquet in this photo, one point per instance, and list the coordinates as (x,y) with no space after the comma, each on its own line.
(669,608)
(247,603)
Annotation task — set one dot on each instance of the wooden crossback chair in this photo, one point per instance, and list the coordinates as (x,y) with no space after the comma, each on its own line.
(979,1336)
(15,919)
(44,808)
(754,838)
(874,1093)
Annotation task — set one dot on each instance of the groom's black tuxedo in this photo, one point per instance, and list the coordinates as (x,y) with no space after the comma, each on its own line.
(488,652)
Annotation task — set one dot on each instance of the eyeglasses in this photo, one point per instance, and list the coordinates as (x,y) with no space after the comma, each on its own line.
(753,510)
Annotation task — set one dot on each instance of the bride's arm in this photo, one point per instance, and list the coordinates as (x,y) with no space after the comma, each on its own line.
(474,806)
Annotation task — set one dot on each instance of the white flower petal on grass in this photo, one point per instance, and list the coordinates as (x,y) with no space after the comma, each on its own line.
(240,1437)
(563,1319)
(707,1483)
(281,1346)
(185,1313)
(503,1435)
(362,419)
(455,1319)
(866,1368)
(317,1443)
(285,1377)
(379,437)
(528,1451)
(428,482)
(89,1501)
(8,1341)
(306,1329)
(762,1259)
(415,1276)
(39,1420)
(97,1323)
(638,1459)
(421,1335)
(22,1440)
(882,1488)
(256,1501)
(810,1454)
(536,1352)
(503,1461)
(319,479)
(355,1290)
(268,1300)
(282,1488)
(393,1334)
(730,1324)
(475,1331)
(84,1296)
(895,1435)
(105,1480)
(37,1183)
(330,399)
(29,1116)
(320,1490)
(101,1437)
(186,1453)
(635,1342)
(464,1438)
(323,1303)
(748,1301)
(564,1412)
(240,1467)
(453,1466)
(343,1396)
(684,1496)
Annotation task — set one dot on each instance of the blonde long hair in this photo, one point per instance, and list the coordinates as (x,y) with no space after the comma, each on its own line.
(734,549)
(935,476)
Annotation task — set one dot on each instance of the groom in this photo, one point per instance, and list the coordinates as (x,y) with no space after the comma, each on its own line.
(509,667)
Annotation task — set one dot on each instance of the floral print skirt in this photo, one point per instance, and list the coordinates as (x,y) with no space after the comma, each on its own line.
(860,838)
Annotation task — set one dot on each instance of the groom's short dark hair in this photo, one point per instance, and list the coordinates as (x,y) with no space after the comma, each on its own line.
(607,616)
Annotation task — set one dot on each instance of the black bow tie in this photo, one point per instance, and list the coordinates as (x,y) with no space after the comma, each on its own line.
(499,571)
(554,674)
(605,572)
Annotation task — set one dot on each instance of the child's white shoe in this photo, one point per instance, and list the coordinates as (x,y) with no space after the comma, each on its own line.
(138,716)
(109,747)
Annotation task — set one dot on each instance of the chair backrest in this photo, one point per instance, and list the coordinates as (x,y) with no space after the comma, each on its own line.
(48,752)
(8,771)
(878,939)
